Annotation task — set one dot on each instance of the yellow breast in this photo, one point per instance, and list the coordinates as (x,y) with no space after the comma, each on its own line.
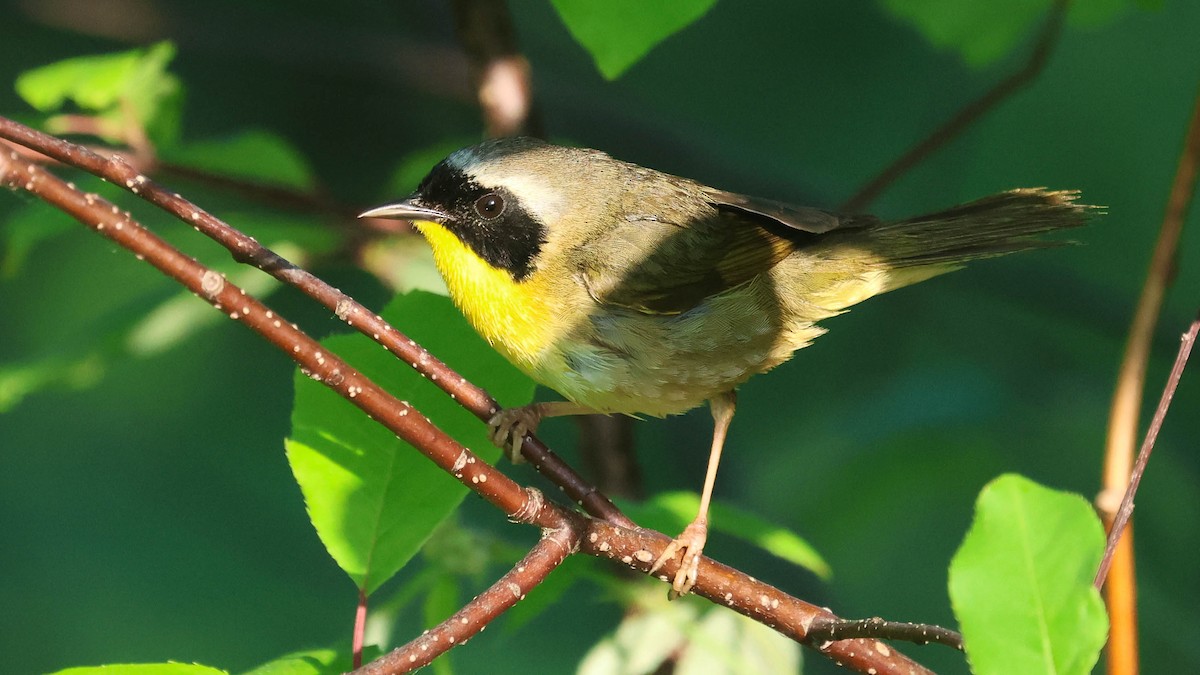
(519,320)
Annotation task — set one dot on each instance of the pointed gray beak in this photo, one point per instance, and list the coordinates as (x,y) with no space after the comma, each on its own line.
(406,210)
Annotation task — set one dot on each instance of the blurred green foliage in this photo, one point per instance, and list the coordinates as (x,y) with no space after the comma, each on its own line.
(146,509)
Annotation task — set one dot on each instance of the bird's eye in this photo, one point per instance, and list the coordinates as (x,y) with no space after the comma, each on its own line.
(489,206)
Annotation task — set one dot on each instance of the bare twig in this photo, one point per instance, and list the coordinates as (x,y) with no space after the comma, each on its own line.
(1126,510)
(635,547)
(546,555)
(1046,41)
(875,627)
(1121,590)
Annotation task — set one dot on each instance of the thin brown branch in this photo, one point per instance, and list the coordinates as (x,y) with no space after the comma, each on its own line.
(499,74)
(1126,510)
(875,627)
(1038,58)
(1121,590)
(550,551)
(636,547)
(247,250)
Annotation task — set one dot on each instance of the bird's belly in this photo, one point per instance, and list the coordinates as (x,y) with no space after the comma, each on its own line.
(627,362)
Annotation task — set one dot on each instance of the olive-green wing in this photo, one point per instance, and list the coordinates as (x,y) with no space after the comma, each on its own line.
(653,265)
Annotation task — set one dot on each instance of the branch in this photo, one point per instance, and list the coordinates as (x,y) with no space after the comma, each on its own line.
(498,72)
(635,547)
(1046,41)
(1122,516)
(875,627)
(546,555)
(1121,590)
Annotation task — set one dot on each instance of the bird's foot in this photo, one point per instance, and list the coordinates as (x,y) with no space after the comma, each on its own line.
(691,543)
(508,427)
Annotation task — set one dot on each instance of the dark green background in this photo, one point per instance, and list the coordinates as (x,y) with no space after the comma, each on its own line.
(153,516)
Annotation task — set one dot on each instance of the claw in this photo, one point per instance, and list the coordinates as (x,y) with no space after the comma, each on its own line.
(509,426)
(691,543)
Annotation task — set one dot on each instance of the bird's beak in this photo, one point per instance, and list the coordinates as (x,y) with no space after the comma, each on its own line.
(408,209)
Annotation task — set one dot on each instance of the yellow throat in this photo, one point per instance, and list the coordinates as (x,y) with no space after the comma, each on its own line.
(515,318)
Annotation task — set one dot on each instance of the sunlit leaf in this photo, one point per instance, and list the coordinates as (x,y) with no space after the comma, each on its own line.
(1021,583)
(373,499)
(618,33)
(114,87)
(143,669)
(313,662)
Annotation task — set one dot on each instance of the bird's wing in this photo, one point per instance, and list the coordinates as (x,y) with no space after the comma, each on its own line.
(656,265)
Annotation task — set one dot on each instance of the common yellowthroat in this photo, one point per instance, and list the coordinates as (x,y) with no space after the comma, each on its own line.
(628,290)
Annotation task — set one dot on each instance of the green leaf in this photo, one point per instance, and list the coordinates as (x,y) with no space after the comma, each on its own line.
(143,669)
(18,380)
(114,87)
(985,30)
(672,511)
(373,499)
(28,226)
(618,33)
(259,156)
(1021,583)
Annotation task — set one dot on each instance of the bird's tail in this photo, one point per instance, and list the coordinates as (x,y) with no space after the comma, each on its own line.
(871,256)
(996,225)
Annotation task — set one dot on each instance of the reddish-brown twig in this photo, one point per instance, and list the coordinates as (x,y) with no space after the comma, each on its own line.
(920,633)
(546,555)
(968,115)
(1121,589)
(1121,518)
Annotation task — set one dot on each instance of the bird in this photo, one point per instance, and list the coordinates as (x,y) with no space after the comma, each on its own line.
(628,290)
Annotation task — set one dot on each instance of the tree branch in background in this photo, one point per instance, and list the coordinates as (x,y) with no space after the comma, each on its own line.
(1046,41)
(501,78)
(1120,591)
(634,547)
(499,73)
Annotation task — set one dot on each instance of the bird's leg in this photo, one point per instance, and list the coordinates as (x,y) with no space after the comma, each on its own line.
(509,426)
(691,541)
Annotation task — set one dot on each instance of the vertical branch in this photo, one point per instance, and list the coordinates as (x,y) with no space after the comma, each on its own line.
(1120,591)
(499,74)
(501,78)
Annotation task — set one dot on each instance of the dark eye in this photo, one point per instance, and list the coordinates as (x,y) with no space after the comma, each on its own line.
(489,206)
